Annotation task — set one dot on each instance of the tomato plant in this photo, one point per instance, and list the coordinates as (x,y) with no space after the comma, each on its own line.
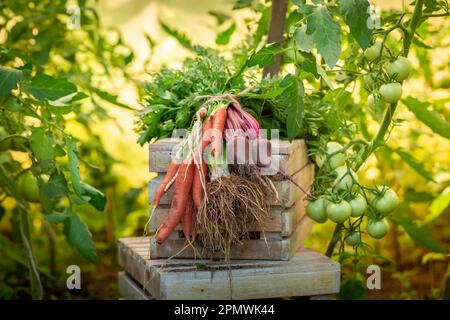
(47,177)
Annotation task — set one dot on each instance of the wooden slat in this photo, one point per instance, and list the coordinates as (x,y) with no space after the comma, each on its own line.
(129,289)
(288,193)
(281,221)
(278,146)
(263,249)
(308,273)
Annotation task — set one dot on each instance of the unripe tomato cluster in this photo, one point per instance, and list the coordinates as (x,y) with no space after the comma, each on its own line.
(391,74)
(348,201)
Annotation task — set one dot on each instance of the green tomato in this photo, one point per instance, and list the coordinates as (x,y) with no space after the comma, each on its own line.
(386,203)
(27,185)
(343,180)
(391,92)
(368,81)
(359,205)
(353,238)
(373,52)
(316,210)
(339,158)
(399,69)
(377,229)
(339,212)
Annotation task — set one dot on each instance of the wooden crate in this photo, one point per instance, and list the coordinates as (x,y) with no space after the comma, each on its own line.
(308,273)
(276,239)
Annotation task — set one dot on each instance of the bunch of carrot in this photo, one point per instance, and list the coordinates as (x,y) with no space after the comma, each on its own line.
(190,175)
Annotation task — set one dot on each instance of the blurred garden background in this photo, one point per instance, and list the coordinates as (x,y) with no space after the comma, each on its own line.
(110,56)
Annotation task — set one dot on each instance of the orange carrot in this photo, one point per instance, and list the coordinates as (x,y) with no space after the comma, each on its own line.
(194,224)
(218,125)
(206,132)
(187,218)
(183,185)
(197,187)
(159,193)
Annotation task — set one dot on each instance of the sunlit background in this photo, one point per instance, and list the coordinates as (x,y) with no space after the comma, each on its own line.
(412,271)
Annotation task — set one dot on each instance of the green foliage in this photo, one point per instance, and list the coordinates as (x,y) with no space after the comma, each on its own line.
(79,236)
(293,100)
(8,79)
(432,119)
(421,235)
(326,34)
(356,15)
(52,76)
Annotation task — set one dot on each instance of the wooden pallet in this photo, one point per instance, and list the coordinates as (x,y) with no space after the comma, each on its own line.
(308,273)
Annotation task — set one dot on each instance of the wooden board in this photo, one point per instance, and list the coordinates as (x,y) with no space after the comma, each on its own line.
(267,248)
(292,160)
(308,273)
(288,193)
(130,289)
(281,221)
(282,146)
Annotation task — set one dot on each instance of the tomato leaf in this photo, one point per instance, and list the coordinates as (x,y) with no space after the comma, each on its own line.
(56,217)
(181,37)
(111,98)
(224,37)
(79,236)
(219,16)
(293,99)
(326,34)
(420,235)
(41,145)
(438,206)
(8,79)
(413,163)
(45,87)
(263,26)
(241,4)
(303,41)
(265,56)
(356,16)
(74,170)
(96,198)
(56,186)
(430,118)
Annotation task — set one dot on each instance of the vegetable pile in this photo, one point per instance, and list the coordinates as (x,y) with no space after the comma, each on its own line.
(215,193)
